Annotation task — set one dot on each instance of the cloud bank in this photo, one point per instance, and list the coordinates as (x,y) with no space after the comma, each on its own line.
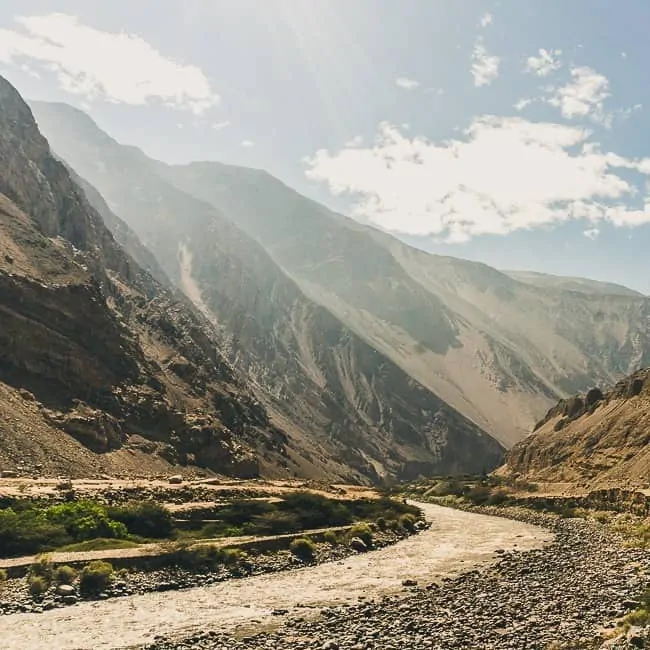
(115,67)
(504,174)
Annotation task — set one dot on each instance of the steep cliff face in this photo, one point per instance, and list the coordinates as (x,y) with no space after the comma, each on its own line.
(92,345)
(599,439)
(341,402)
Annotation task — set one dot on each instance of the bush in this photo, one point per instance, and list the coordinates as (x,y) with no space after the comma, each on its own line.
(85,520)
(24,531)
(37,586)
(3,576)
(363,532)
(381,523)
(42,568)
(96,576)
(206,557)
(303,548)
(331,537)
(146,519)
(65,575)
(407,522)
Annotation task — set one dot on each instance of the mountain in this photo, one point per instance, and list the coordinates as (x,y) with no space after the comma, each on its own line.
(581,285)
(102,368)
(599,439)
(344,407)
(498,350)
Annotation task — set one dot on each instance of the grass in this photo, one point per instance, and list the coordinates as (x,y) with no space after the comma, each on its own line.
(639,616)
(95,576)
(303,548)
(65,575)
(99,544)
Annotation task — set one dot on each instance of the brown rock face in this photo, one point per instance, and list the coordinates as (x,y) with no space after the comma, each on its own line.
(100,350)
(600,439)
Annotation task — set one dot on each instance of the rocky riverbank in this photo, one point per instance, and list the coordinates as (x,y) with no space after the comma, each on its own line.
(568,594)
(15,596)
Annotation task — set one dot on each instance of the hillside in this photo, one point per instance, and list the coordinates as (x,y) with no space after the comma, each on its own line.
(498,350)
(344,407)
(101,367)
(581,285)
(596,439)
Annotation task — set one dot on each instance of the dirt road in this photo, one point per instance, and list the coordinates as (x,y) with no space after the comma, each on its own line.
(456,542)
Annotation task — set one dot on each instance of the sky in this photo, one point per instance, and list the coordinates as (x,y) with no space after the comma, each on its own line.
(513,132)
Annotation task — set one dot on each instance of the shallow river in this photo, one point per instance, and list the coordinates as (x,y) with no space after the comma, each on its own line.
(456,542)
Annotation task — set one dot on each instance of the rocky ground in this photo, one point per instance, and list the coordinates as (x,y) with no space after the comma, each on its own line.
(568,594)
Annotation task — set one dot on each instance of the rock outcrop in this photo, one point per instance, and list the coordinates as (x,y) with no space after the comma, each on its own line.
(599,439)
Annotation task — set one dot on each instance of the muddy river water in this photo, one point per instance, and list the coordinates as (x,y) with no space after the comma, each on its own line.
(456,542)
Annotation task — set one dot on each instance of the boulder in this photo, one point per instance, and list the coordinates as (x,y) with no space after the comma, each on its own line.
(177,479)
(357,544)
(66,590)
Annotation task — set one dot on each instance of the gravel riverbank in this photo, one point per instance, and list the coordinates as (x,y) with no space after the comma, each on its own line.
(564,595)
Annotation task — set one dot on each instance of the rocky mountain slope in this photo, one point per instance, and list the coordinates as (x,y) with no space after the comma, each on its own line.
(581,285)
(333,407)
(497,349)
(596,438)
(101,367)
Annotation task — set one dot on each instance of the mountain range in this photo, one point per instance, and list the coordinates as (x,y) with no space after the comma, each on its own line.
(208,315)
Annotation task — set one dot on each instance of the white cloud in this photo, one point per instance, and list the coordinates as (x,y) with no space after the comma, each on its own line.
(583,96)
(544,64)
(407,83)
(592,233)
(247,143)
(116,67)
(502,175)
(523,103)
(485,67)
(487,19)
(218,126)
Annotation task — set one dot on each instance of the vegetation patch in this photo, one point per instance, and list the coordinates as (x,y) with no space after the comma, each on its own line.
(303,548)
(95,577)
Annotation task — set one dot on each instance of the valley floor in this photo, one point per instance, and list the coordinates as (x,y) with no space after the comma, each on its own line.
(456,542)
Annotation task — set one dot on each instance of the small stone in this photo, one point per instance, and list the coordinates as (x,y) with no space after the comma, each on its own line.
(66,590)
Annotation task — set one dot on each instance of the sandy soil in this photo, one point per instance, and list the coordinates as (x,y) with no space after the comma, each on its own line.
(456,542)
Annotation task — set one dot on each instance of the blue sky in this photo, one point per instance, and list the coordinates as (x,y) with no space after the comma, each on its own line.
(512,132)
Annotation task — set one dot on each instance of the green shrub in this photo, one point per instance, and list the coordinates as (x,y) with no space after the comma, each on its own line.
(206,557)
(38,585)
(407,522)
(85,520)
(363,532)
(96,576)
(42,568)
(393,524)
(28,530)
(331,537)
(146,519)
(381,523)
(303,548)
(3,576)
(65,575)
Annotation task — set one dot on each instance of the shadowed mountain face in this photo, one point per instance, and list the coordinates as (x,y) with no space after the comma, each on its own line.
(336,396)
(497,349)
